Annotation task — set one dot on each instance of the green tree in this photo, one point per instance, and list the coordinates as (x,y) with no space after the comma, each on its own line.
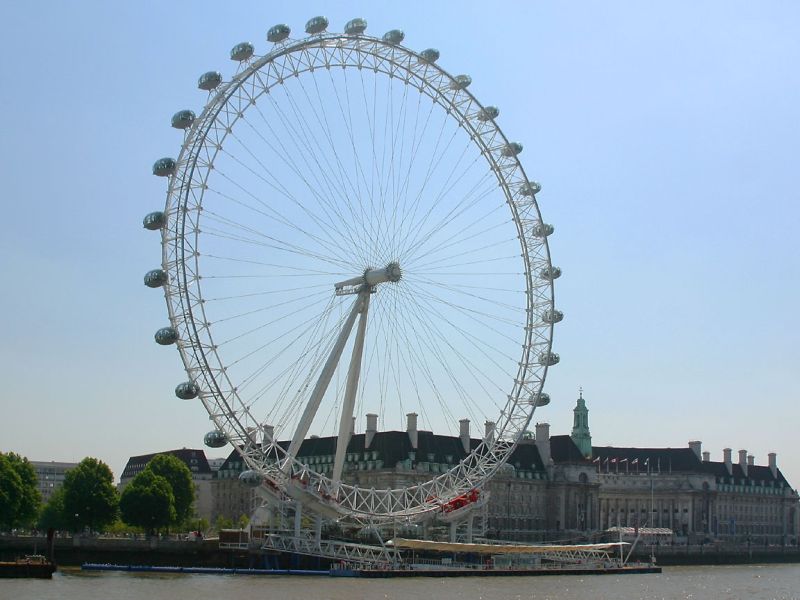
(179,478)
(52,513)
(148,502)
(19,493)
(90,498)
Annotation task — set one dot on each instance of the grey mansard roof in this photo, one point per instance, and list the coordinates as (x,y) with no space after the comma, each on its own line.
(193,458)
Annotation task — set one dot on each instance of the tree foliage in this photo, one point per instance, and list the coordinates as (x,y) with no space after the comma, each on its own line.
(52,514)
(179,478)
(148,502)
(90,498)
(19,493)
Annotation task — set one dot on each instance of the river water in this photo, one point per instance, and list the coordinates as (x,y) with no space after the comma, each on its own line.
(755,582)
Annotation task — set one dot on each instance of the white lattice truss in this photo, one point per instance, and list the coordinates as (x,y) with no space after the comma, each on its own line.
(180,237)
(354,554)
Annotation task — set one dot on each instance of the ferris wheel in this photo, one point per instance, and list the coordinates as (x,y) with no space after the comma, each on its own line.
(347,231)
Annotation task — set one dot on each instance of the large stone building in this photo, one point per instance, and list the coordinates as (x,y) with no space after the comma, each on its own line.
(197,463)
(561,487)
(50,476)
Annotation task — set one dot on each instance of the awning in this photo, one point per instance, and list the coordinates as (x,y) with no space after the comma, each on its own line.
(405,544)
(640,531)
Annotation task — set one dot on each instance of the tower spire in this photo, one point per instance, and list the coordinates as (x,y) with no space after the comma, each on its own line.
(580,428)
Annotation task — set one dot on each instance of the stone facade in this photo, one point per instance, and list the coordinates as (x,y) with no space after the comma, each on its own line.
(50,476)
(563,488)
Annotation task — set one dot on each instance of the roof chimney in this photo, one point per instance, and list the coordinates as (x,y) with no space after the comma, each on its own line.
(411,428)
(696,446)
(773,464)
(706,456)
(372,429)
(750,460)
(726,454)
(489,431)
(464,434)
(268,434)
(543,442)
(743,461)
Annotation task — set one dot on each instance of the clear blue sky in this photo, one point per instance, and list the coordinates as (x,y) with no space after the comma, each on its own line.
(665,135)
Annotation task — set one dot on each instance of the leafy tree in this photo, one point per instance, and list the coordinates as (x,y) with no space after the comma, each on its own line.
(223,523)
(148,502)
(179,478)
(52,513)
(19,493)
(90,498)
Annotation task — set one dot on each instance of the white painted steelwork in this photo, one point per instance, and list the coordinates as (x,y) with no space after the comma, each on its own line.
(189,221)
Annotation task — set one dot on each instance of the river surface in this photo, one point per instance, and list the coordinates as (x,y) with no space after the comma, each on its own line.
(755,582)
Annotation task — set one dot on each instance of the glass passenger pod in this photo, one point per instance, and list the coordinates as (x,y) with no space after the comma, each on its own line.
(187,390)
(549,359)
(488,113)
(316,25)
(209,80)
(395,36)
(215,439)
(155,278)
(552,316)
(355,26)
(460,82)
(512,149)
(251,478)
(530,188)
(164,167)
(166,336)
(278,33)
(543,230)
(154,220)
(183,119)
(543,399)
(550,273)
(430,55)
(242,51)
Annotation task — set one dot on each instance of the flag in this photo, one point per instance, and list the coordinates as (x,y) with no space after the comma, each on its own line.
(646,462)
(613,461)
(596,460)
(635,461)
(622,460)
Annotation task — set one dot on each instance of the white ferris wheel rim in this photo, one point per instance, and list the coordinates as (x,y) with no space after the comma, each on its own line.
(180,240)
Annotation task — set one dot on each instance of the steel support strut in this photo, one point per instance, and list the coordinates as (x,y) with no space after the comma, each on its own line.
(346,420)
(325,377)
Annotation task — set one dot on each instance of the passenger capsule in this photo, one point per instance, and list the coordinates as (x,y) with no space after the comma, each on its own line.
(278,33)
(488,113)
(552,316)
(187,390)
(164,167)
(395,36)
(512,149)
(166,336)
(460,82)
(209,80)
(251,478)
(242,51)
(183,119)
(431,55)
(215,439)
(154,220)
(316,25)
(542,230)
(543,399)
(155,278)
(549,359)
(550,273)
(355,26)
(530,188)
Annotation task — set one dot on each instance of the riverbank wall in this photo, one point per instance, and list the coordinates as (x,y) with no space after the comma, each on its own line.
(74,551)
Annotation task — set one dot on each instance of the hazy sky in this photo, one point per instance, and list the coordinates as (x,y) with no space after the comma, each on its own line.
(665,135)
